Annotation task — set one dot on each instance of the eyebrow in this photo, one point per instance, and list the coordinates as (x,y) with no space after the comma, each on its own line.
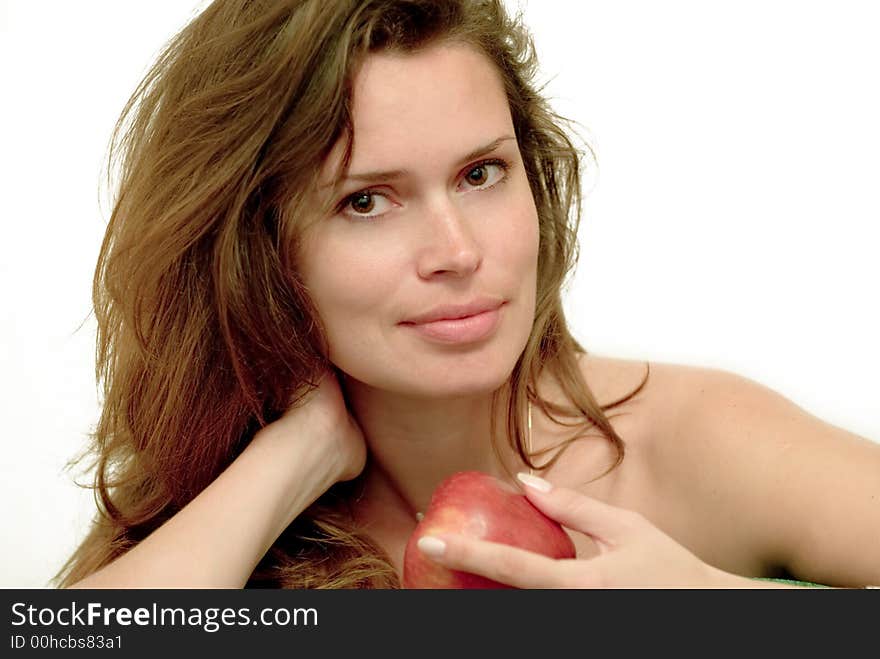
(384,177)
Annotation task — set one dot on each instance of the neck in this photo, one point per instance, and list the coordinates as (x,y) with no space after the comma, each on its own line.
(415,443)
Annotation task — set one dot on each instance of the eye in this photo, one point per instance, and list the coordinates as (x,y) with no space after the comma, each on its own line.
(365,204)
(369,204)
(486,174)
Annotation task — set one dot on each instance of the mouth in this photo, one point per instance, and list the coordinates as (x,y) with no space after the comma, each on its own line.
(459,325)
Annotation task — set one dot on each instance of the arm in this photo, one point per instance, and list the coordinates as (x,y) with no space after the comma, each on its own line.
(807,492)
(761,481)
(217,540)
(633,553)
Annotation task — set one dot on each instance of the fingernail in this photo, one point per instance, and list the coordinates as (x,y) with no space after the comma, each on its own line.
(433,547)
(534,482)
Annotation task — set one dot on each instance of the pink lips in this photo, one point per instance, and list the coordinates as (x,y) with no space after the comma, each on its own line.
(458,323)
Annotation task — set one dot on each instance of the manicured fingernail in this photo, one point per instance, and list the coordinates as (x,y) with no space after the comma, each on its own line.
(534,482)
(433,547)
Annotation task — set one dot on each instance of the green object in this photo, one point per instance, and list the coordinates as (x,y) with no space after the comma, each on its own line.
(793,582)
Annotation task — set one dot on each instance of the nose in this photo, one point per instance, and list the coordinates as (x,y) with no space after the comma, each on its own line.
(450,246)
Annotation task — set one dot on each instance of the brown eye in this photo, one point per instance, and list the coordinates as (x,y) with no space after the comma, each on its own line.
(363,202)
(365,205)
(485,175)
(478,175)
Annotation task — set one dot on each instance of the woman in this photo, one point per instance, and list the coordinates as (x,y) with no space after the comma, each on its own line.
(332,278)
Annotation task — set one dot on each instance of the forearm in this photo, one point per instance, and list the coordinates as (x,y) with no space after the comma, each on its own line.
(220,536)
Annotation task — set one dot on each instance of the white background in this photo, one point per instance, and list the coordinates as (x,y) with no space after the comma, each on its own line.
(733,221)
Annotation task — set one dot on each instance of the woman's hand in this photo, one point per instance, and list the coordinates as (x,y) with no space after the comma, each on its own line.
(323,416)
(633,553)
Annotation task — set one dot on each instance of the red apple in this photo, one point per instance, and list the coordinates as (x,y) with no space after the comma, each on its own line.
(479,505)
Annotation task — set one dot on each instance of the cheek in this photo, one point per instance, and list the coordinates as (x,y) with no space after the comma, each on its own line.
(517,236)
(343,282)
(344,303)
(355,284)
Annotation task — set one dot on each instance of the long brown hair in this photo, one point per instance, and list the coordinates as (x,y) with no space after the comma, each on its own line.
(205,333)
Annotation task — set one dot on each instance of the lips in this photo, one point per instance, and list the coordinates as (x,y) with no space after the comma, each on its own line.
(458,324)
(455,311)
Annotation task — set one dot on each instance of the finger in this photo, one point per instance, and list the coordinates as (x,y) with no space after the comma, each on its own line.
(604,523)
(502,563)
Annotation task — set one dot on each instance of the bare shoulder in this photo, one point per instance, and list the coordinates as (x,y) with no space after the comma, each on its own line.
(727,408)
(610,378)
(654,391)
(741,475)
(802,494)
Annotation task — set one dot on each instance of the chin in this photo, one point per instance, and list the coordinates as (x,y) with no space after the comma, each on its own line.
(458,375)
(452,376)
(461,385)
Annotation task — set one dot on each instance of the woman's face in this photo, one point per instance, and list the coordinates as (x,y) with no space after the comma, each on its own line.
(436,211)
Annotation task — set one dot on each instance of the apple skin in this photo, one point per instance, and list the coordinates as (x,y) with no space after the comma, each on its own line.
(479,505)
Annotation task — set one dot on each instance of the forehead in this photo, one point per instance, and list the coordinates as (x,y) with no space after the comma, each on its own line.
(432,105)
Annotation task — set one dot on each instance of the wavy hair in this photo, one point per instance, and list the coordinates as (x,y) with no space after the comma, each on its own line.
(205,331)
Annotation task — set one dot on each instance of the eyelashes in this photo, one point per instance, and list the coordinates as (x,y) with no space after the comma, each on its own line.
(361,205)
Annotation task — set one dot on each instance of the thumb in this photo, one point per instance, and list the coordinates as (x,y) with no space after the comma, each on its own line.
(577,511)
